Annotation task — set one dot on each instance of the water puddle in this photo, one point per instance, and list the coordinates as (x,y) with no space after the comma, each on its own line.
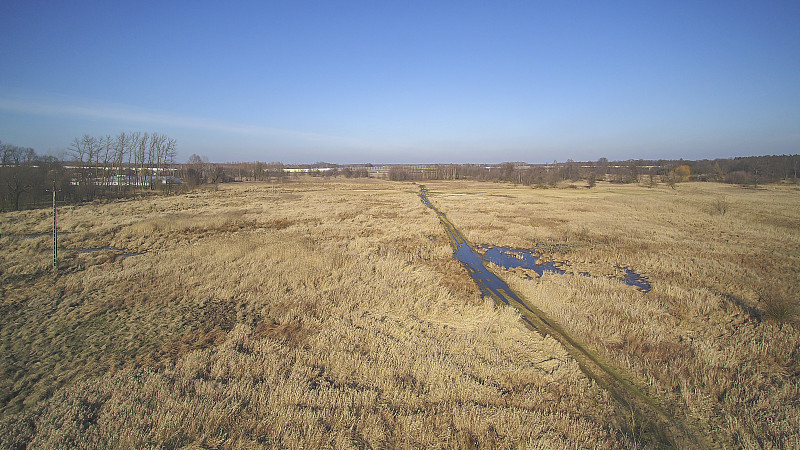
(658,427)
(510,258)
(95,249)
(36,235)
(489,283)
(636,280)
(17,237)
(122,253)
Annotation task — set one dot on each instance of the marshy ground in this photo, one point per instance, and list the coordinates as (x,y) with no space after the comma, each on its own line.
(331,313)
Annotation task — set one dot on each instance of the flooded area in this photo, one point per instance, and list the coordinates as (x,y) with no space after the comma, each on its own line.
(658,425)
(512,258)
(36,235)
(489,283)
(636,280)
(94,249)
(509,258)
(121,253)
(17,237)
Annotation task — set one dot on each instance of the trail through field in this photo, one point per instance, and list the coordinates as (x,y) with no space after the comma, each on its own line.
(650,421)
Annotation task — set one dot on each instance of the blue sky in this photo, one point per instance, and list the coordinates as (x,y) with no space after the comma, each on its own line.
(407,81)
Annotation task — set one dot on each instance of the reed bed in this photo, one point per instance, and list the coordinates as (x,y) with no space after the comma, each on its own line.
(326,314)
(716,340)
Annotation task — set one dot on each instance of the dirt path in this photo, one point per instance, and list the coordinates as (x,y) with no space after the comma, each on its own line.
(647,419)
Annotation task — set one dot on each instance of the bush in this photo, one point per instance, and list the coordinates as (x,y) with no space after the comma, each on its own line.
(721,205)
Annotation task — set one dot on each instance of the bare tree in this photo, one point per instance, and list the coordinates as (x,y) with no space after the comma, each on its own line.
(171,153)
(17,172)
(107,147)
(151,154)
(159,145)
(133,145)
(194,170)
(120,150)
(133,159)
(77,150)
(83,151)
(6,153)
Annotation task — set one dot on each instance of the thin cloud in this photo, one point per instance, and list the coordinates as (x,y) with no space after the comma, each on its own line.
(128,114)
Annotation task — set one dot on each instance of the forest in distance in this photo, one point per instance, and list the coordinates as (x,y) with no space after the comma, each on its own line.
(132,163)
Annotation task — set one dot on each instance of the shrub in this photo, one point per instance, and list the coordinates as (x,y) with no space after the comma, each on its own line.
(721,205)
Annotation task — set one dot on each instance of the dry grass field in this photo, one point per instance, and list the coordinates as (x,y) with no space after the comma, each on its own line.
(331,314)
(716,340)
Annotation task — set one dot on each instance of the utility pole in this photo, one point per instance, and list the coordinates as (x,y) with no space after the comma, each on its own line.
(55,230)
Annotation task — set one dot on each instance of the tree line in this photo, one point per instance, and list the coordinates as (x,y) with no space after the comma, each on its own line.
(541,175)
(750,170)
(347,172)
(26,176)
(198,170)
(94,167)
(129,163)
(115,166)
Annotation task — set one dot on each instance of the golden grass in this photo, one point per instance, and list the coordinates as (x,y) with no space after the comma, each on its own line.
(716,340)
(320,316)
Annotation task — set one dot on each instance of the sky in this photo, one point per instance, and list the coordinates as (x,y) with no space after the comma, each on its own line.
(407,82)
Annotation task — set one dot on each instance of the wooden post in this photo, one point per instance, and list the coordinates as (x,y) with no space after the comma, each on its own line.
(55,231)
